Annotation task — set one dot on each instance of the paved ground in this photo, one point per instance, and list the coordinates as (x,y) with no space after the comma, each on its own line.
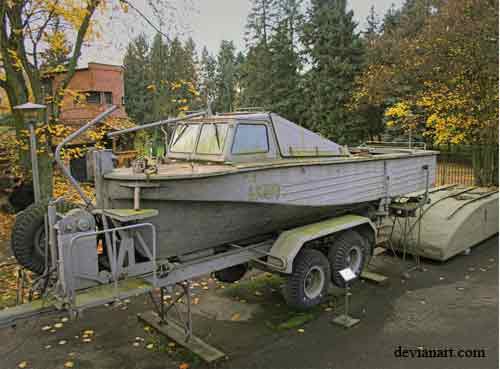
(451,305)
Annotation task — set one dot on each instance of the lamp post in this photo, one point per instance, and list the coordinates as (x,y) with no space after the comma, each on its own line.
(30,112)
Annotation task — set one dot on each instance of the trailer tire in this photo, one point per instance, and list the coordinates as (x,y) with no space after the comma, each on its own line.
(231,274)
(349,249)
(28,234)
(308,283)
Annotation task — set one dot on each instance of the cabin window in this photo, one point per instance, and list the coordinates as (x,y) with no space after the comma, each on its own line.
(212,138)
(250,139)
(184,139)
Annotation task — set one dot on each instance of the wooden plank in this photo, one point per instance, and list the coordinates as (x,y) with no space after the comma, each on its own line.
(172,330)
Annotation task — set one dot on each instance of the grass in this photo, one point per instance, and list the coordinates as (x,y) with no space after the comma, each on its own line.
(265,289)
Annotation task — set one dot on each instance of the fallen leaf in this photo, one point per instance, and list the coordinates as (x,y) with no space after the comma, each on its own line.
(63,342)
(22,364)
(328,309)
(46,328)
(69,364)
(258,293)
(235,317)
(48,347)
(300,330)
(149,346)
(58,325)
(64,320)
(136,344)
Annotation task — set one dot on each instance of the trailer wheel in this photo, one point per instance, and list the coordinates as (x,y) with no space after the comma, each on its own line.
(28,235)
(231,274)
(308,283)
(349,249)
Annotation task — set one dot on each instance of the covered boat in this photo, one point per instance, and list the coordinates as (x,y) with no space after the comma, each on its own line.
(233,178)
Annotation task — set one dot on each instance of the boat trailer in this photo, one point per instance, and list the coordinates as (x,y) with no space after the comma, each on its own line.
(74,279)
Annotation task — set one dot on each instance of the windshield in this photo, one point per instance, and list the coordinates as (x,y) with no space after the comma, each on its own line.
(184,138)
(212,138)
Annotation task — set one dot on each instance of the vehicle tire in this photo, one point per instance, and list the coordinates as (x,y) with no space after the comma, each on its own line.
(349,249)
(308,283)
(28,235)
(231,274)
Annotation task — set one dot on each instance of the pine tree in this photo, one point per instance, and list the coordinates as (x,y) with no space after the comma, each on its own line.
(285,82)
(207,81)
(159,88)
(136,79)
(226,77)
(335,53)
(257,69)
(260,22)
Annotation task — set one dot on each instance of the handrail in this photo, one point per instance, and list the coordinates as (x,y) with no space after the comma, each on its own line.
(156,124)
(71,137)
(112,257)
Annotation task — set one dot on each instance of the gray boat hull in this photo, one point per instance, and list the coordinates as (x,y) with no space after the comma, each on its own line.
(202,211)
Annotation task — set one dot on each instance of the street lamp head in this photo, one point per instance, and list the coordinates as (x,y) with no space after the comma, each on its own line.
(30,110)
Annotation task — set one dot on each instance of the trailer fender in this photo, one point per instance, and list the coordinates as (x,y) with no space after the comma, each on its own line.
(288,244)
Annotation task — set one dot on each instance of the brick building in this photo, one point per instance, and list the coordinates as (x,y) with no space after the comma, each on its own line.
(100,85)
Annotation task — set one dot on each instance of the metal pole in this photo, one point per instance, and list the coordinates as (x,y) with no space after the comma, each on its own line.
(34,162)
(72,136)
(346,299)
(156,124)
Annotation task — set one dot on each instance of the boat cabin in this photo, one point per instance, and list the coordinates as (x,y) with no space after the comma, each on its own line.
(247,138)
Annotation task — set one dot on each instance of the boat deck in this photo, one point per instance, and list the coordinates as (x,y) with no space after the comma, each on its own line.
(192,169)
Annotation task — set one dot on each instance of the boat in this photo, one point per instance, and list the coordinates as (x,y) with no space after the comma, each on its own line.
(232,178)
(455,219)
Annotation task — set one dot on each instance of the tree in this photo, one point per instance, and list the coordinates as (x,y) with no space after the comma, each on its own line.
(335,53)
(260,22)
(257,69)
(285,88)
(136,79)
(370,116)
(439,77)
(161,71)
(24,26)
(29,36)
(226,77)
(208,70)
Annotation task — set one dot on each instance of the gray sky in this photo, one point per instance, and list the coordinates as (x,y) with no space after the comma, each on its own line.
(207,21)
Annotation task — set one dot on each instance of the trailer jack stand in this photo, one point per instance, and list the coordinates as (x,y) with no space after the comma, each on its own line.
(181,329)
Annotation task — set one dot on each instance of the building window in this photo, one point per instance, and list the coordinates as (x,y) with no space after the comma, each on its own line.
(250,139)
(93,97)
(108,98)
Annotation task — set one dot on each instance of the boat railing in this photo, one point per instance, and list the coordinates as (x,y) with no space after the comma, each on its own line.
(396,144)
